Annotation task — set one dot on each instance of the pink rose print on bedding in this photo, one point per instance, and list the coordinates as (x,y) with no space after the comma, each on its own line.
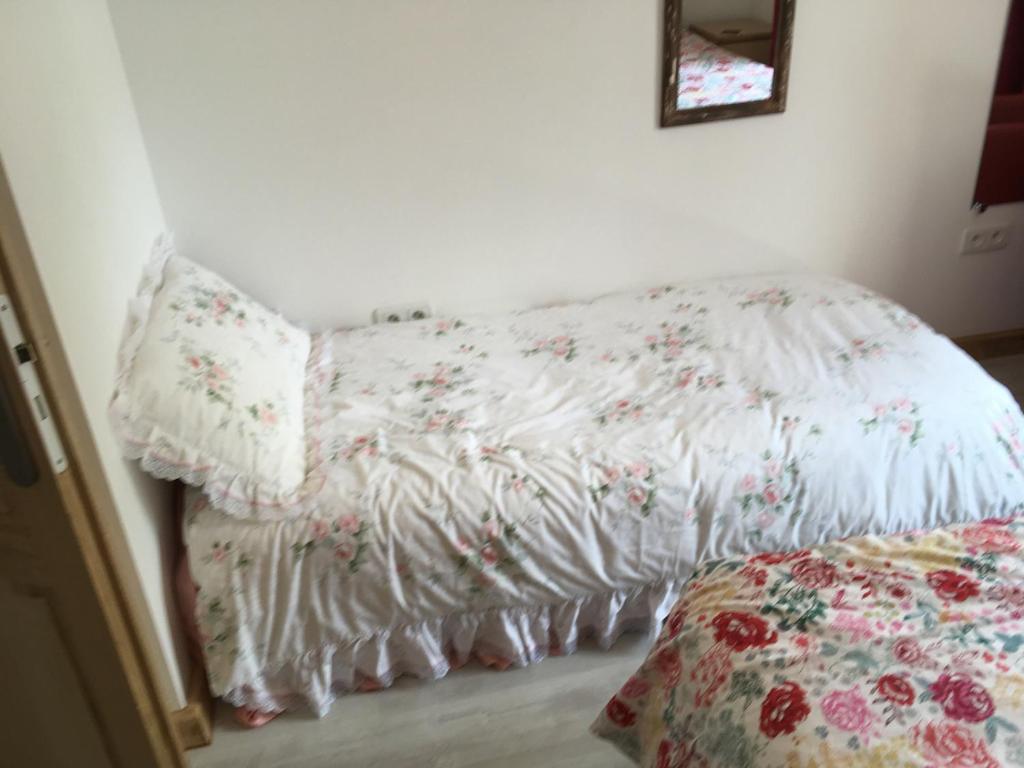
(856,626)
(848,711)
(445,326)
(659,293)
(951,744)
(691,379)
(321,529)
(491,551)
(990,538)
(671,340)
(620,412)
(791,423)
(361,445)
(473,351)
(779,298)
(558,348)
(860,350)
(349,524)
(347,538)
(202,305)
(897,316)
(264,413)
(749,484)
(710,673)
(443,380)
(637,481)
(520,483)
(203,373)
(906,650)
(757,397)
(689,308)
(489,554)
(1008,596)
(902,416)
(225,552)
(442,421)
(1008,435)
(770,493)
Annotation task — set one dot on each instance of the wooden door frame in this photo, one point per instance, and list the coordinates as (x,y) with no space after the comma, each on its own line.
(101,613)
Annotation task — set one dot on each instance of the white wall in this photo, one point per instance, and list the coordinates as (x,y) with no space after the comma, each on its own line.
(71,144)
(335,156)
(722,10)
(485,153)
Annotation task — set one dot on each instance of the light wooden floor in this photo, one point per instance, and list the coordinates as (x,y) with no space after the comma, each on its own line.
(537,717)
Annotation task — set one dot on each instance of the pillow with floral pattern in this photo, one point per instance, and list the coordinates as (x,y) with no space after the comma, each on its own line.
(210,389)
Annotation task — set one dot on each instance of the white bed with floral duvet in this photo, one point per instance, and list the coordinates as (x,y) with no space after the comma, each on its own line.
(502,487)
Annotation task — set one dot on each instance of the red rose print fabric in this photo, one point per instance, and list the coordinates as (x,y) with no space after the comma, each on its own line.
(873,651)
(741,631)
(783,709)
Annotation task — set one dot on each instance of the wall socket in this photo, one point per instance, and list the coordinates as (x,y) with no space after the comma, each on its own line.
(985,239)
(402,313)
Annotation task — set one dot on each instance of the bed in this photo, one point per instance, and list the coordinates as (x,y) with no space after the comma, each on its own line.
(712,76)
(502,487)
(901,651)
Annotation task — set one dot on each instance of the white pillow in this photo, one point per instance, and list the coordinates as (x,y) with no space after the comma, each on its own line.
(210,389)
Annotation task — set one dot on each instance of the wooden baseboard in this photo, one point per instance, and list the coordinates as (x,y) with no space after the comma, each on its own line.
(987,345)
(194,722)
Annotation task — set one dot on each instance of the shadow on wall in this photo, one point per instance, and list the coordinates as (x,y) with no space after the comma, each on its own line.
(158,496)
(992,270)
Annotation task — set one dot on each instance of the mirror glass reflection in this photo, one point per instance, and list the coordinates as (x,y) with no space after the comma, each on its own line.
(725,60)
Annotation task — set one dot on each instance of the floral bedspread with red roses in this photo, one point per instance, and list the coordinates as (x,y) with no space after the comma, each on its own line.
(891,651)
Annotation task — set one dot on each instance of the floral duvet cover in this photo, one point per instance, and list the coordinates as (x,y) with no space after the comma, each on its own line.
(898,651)
(712,76)
(504,485)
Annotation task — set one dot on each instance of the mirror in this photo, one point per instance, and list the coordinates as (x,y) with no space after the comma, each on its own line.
(725,59)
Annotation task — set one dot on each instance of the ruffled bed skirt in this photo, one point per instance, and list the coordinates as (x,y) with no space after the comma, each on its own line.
(506,637)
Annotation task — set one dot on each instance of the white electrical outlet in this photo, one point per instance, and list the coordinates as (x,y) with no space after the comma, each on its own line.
(403,313)
(985,239)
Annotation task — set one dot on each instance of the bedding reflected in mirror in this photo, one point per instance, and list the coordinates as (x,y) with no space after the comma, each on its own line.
(725,62)
(725,58)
